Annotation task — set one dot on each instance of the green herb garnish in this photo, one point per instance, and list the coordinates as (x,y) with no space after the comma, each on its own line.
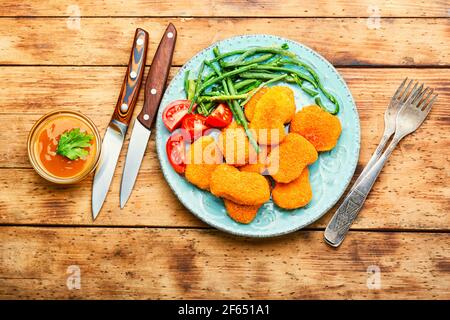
(72,144)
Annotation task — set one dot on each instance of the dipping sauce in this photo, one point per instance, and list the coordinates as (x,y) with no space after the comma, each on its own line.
(43,144)
(57,164)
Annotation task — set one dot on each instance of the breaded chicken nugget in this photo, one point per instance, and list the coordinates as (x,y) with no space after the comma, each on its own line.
(285,102)
(250,106)
(319,127)
(273,109)
(258,162)
(247,188)
(294,194)
(203,157)
(241,213)
(234,144)
(287,161)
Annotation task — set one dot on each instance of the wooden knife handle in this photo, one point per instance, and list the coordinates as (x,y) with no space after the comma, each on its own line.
(133,78)
(157,76)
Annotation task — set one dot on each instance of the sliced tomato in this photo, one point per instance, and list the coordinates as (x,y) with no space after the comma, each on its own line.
(220,117)
(176,152)
(194,125)
(174,113)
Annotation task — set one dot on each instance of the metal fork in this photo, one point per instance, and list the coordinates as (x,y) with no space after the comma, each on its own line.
(413,112)
(390,115)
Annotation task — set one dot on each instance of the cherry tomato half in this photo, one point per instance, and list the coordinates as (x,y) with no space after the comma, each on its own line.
(176,152)
(174,113)
(194,125)
(220,117)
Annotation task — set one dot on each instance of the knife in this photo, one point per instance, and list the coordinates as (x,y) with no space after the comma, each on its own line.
(117,128)
(154,89)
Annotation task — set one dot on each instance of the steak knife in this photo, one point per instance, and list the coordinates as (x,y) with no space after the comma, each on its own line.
(117,128)
(154,89)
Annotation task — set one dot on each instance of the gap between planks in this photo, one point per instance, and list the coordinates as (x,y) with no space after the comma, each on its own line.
(218,17)
(321,229)
(354,66)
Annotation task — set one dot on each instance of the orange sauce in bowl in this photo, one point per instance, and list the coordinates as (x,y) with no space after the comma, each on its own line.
(47,143)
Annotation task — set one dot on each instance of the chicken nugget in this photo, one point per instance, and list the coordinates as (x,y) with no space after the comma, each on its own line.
(257,163)
(272,110)
(234,145)
(287,105)
(241,213)
(251,104)
(294,194)
(319,127)
(287,161)
(247,188)
(284,99)
(203,157)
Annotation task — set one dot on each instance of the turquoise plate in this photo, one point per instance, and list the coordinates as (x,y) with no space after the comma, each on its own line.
(329,175)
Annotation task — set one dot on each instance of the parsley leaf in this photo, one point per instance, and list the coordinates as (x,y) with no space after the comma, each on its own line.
(72,144)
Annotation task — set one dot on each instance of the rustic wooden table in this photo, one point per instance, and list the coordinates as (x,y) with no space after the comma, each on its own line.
(73,54)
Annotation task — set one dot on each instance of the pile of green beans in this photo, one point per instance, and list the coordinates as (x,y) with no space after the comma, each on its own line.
(236,80)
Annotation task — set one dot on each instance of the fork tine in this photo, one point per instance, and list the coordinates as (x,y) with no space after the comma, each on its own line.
(429,105)
(405,93)
(416,92)
(397,92)
(412,93)
(417,99)
(424,101)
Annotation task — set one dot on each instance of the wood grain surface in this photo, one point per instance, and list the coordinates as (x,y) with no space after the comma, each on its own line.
(136,263)
(152,202)
(226,8)
(74,54)
(51,41)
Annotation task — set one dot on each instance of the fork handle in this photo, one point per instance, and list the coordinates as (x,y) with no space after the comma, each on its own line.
(376,155)
(348,211)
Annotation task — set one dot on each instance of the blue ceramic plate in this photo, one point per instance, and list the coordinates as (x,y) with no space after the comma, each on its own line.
(329,175)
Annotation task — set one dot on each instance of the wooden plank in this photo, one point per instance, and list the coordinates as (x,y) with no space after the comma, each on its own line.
(401,199)
(179,264)
(223,8)
(105,41)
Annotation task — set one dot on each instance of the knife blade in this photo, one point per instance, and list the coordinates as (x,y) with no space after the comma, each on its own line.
(117,128)
(154,89)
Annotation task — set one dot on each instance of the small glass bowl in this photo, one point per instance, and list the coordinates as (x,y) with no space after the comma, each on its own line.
(34,157)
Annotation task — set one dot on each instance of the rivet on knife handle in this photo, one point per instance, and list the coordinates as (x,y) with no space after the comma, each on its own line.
(157,76)
(133,79)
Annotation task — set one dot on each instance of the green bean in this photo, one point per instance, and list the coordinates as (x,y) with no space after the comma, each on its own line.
(224,97)
(244,63)
(256,50)
(186,83)
(209,76)
(258,75)
(288,70)
(234,106)
(226,75)
(250,87)
(191,89)
(224,84)
(241,116)
(225,55)
(320,104)
(244,83)
(308,91)
(197,86)
(307,67)
(212,93)
(264,76)
(273,62)
(281,77)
